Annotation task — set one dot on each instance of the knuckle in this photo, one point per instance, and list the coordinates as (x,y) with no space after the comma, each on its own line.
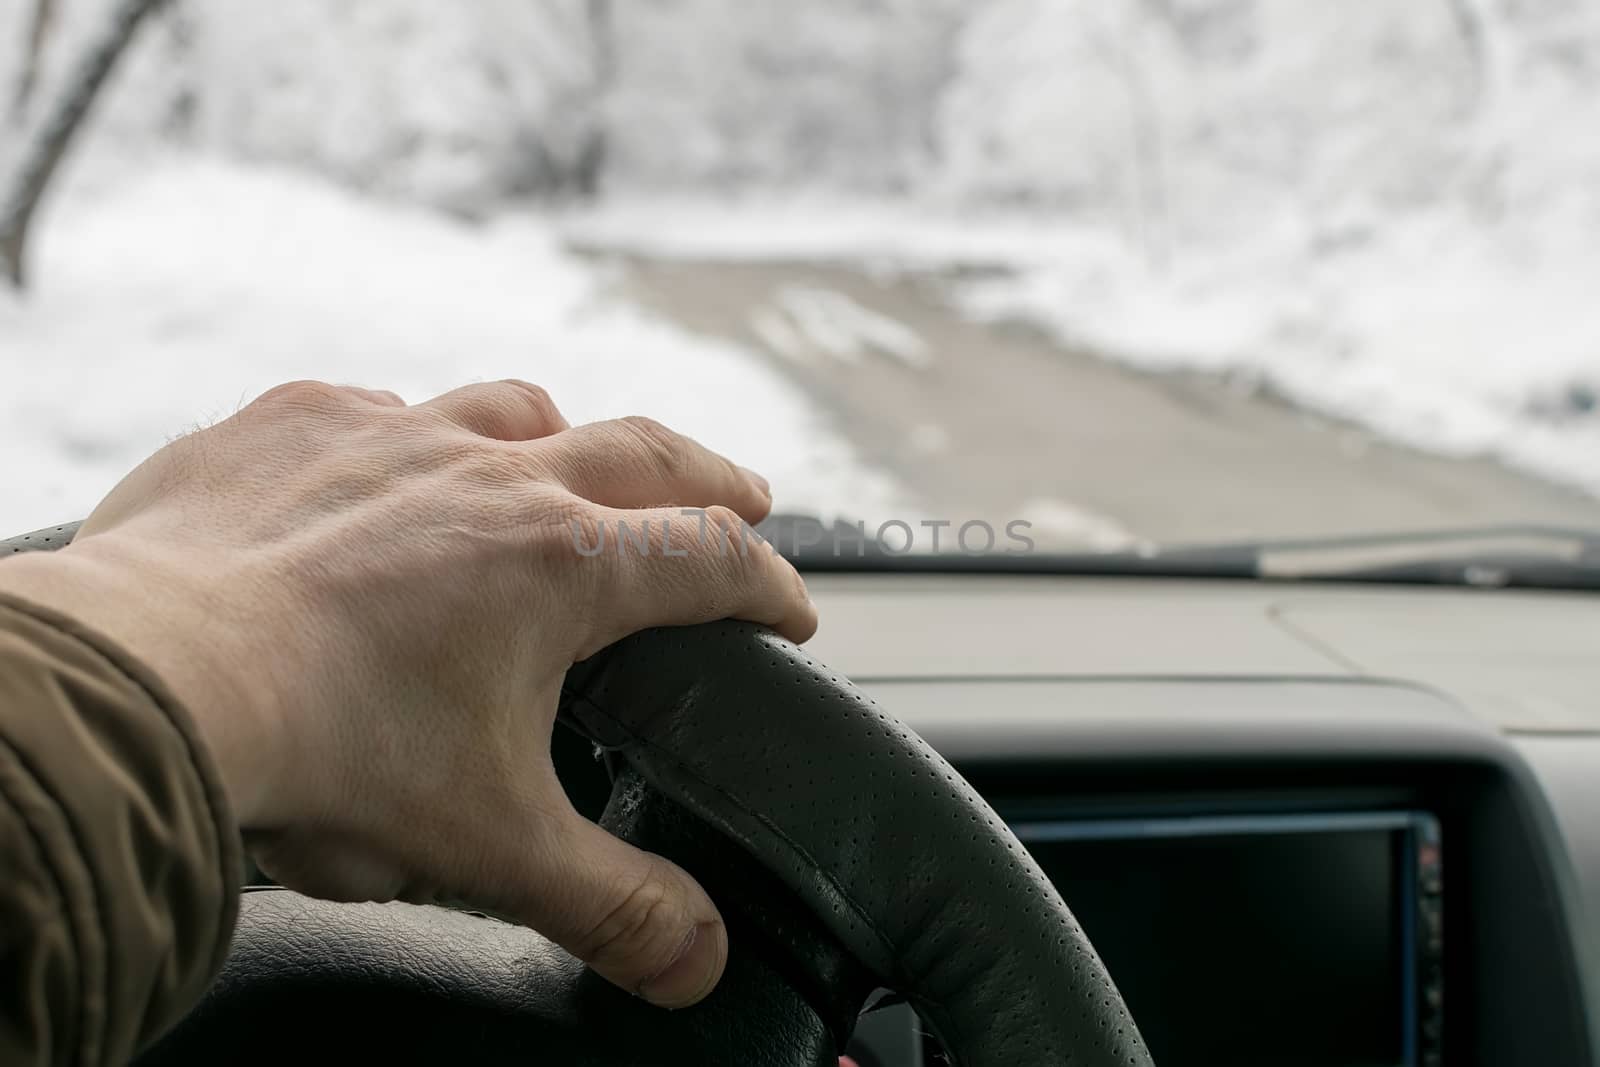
(563,537)
(564,524)
(730,547)
(506,409)
(501,478)
(667,450)
(535,396)
(732,529)
(305,393)
(725,519)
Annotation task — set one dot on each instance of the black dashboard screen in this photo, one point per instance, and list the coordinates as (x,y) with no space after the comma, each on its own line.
(1281,941)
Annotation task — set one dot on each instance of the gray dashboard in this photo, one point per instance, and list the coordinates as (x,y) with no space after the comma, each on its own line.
(1149,697)
(1140,696)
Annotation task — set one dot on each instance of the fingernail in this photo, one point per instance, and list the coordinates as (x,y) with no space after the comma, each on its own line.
(692,971)
(759,482)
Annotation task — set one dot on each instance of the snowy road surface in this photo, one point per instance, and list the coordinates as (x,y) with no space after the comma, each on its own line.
(997,422)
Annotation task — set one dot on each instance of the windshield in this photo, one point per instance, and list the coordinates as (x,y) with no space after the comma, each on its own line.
(1018,276)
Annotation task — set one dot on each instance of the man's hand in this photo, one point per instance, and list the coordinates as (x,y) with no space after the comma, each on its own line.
(368,609)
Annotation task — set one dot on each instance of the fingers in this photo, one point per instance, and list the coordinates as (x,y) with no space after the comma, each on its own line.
(632,462)
(681,566)
(636,919)
(507,410)
(639,463)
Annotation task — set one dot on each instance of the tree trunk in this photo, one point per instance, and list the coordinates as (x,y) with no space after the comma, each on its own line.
(44,17)
(592,160)
(43,154)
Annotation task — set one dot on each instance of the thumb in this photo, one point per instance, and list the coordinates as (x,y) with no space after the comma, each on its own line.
(638,920)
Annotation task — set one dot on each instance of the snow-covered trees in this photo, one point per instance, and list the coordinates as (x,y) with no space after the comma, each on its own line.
(1174,124)
(63,116)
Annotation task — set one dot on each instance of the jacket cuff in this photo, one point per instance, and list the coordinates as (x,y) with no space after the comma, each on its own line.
(129,861)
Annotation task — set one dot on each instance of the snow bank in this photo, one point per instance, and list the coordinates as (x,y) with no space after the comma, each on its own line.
(173,299)
(1454,346)
(1385,211)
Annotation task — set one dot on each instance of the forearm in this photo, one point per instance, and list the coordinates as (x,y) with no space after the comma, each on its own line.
(190,634)
(121,858)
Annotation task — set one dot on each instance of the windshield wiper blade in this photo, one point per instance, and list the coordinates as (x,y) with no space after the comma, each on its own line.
(1507,554)
(816,546)
(1550,557)
(1485,571)
(1528,555)
(1588,540)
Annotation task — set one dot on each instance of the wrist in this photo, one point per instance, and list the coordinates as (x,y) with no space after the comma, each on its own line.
(135,602)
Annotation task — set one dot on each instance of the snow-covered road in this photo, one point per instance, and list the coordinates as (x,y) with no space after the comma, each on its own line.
(996,422)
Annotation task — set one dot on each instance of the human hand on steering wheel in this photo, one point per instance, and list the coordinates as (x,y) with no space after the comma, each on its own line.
(368,609)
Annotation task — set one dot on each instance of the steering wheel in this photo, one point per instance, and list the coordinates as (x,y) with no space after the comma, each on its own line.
(844,853)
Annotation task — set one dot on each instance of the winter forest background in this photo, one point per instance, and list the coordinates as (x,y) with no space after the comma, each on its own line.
(1388,212)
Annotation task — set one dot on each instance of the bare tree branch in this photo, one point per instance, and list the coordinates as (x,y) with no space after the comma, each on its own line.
(592,161)
(44,153)
(44,17)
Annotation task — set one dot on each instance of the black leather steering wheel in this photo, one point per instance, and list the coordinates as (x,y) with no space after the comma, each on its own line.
(844,853)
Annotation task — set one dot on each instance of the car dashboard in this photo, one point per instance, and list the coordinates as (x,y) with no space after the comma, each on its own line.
(1302,824)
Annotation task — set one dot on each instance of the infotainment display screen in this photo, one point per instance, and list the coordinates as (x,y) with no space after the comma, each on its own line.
(1286,940)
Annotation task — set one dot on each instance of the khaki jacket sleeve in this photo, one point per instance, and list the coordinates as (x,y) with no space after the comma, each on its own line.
(120,866)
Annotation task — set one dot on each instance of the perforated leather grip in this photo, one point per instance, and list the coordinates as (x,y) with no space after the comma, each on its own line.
(40,540)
